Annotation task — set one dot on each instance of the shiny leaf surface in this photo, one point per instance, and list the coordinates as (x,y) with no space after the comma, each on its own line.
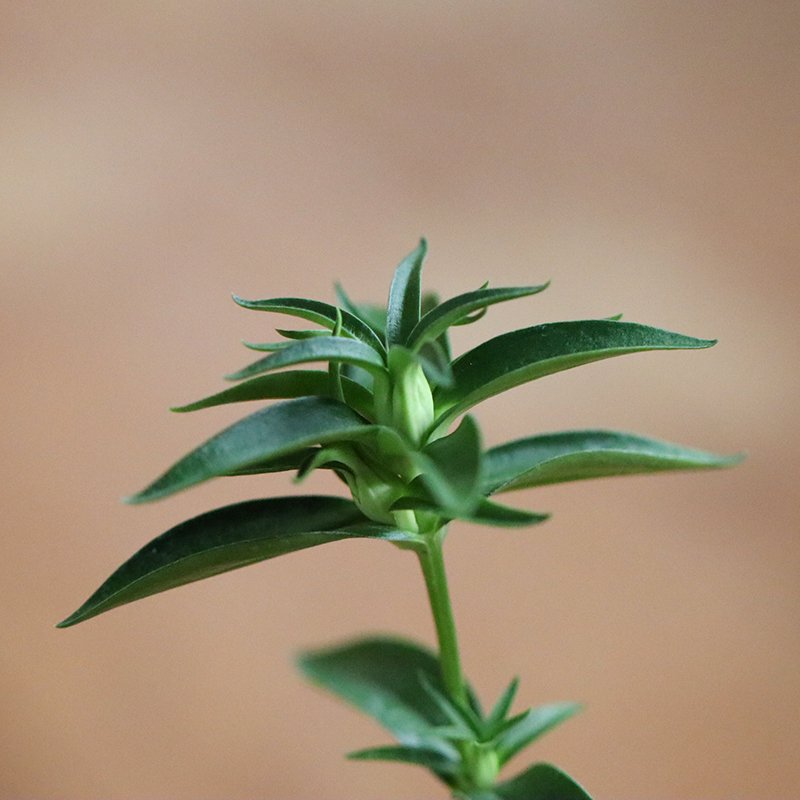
(226,539)
(577,455)
(320,348)
(272,432)
(318,312)
(515,358)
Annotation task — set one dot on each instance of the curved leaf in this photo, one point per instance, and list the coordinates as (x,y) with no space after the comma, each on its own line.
(501,516)
(280,385)
(485,513)
(381,677)
(524,355)
(444,765)
(405,297)
(320,348)
(302,334)
(316,311)
(577,455)
(270,433)
(227,539)
(439,319)
(368,313)
(540,782)
(531,726)
(458,461)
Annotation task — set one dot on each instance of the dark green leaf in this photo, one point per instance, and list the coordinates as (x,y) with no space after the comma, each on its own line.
(405,296)
(435,363)
(322,348)
(575,455)
(462,718)
(531,726)
(294,461)
(458,460)
(520,356)
(444,765)
(380,676)
(485,513)
(280,385)
(302,334)
(226,539)
(438,320)
(372,315)
(490,513)
(320,313)
(540,782)
(503,705)
(270,433)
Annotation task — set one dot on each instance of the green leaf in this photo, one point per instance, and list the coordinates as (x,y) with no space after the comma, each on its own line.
(524,355)
(372,315)
(405,297)
(322,348)
(445,765)
(577,455)
(280,385)
(270,433)
(435,362)
(380,676)
(456,482)
(503,706)
(294,461)
(485,513)
(227,539)
(540,782)
(312,333)
(318,312)
(438,320)
(501,516)
(531,726)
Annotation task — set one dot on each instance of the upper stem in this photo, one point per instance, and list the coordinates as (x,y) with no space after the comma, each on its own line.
(432,562)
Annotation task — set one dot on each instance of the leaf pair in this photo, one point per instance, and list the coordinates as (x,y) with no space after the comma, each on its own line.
(399,684)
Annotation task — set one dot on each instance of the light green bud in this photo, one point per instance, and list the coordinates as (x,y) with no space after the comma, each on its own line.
(411,397)
(484,766)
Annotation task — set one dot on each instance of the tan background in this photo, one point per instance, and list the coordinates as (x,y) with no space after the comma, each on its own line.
(156,156)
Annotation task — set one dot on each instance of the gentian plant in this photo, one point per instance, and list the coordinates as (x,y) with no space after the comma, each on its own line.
(389,417)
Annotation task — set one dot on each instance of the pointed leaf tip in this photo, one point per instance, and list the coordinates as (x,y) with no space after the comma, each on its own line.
(228,538)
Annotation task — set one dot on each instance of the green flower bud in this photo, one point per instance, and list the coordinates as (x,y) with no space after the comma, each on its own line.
(484,765)
(411,398)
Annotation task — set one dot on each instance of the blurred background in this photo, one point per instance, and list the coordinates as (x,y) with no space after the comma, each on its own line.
(157,156)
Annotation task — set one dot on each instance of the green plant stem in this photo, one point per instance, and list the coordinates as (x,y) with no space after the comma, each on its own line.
(431,559)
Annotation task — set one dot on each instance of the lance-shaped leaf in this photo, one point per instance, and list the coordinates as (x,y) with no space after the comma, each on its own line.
(271,433)
(227,539)
(285,385)
(302,334)
(370,314)
(531,726)
(576,455)
(435,361)
(405,297)
(444,764)
(440,318)
(485,513)
(381,677)
(524,355)
(458,460)
(316,311)
(540,782)
(321,348)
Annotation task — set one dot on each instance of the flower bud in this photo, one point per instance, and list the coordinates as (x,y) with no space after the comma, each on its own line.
(411,397)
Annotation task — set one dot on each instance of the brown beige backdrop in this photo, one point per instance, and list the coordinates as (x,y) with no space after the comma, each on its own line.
(156,156)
